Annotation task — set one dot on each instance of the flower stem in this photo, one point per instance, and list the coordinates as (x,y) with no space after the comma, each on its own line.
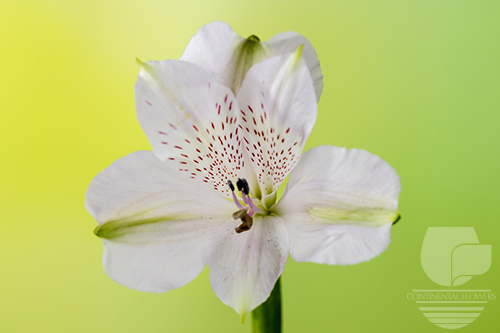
(266,318)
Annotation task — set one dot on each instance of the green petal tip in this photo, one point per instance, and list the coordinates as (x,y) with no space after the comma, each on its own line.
(143,65)
(96,231)
(253,38)
(397,219)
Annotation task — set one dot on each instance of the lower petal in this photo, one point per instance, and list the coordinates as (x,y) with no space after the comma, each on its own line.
(244,267)
(169,260)
(155,222)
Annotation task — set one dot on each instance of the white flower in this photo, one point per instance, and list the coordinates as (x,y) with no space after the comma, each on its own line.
(163,218)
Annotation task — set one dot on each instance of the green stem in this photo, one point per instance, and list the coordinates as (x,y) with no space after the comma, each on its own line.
(267,317)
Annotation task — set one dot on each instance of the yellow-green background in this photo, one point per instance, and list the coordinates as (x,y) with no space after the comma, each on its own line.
(415,82)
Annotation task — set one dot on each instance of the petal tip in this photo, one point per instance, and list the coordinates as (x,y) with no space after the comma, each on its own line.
(396,220)
(143,65)
(242,317)
(253,38)
(97,231)
(140,62)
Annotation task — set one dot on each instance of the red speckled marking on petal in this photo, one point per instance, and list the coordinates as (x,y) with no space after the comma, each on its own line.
(215,157)
(266,142)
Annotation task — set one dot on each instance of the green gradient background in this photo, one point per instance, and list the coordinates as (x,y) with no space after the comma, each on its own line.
(415,82)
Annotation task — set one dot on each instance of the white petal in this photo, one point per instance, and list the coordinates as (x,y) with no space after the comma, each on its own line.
(244,267)
(277,110)
(287,42)
(339,205)
(336,245)
(220,51)
(155,222)
(190,118)
(215,48)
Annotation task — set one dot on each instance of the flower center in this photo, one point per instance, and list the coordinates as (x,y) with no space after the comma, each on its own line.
(247,211)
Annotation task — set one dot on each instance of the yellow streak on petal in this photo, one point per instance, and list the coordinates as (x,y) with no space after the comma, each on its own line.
(242,316)
(120,229)
(297,56)
(298,52)
(363,216)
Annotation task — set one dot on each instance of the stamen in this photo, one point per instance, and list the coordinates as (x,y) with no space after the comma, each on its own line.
(235,199)
(246,188)
(245,213)
(239,184)
(245,198)
(239,214)
(237,202)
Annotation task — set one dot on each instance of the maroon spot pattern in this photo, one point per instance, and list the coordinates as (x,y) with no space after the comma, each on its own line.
(273,148)
(211,152)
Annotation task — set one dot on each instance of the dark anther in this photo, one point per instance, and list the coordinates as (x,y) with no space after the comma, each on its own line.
(247,222)
(230,184)
(246,189)
(239,214)
(242,185)
(239,184)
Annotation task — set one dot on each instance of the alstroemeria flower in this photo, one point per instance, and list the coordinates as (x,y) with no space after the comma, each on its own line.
(207,195)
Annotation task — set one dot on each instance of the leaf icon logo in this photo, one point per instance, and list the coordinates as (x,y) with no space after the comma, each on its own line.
(452,256)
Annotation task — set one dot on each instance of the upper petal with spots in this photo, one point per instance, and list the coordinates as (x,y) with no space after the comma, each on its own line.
(190,118)
(277,113)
